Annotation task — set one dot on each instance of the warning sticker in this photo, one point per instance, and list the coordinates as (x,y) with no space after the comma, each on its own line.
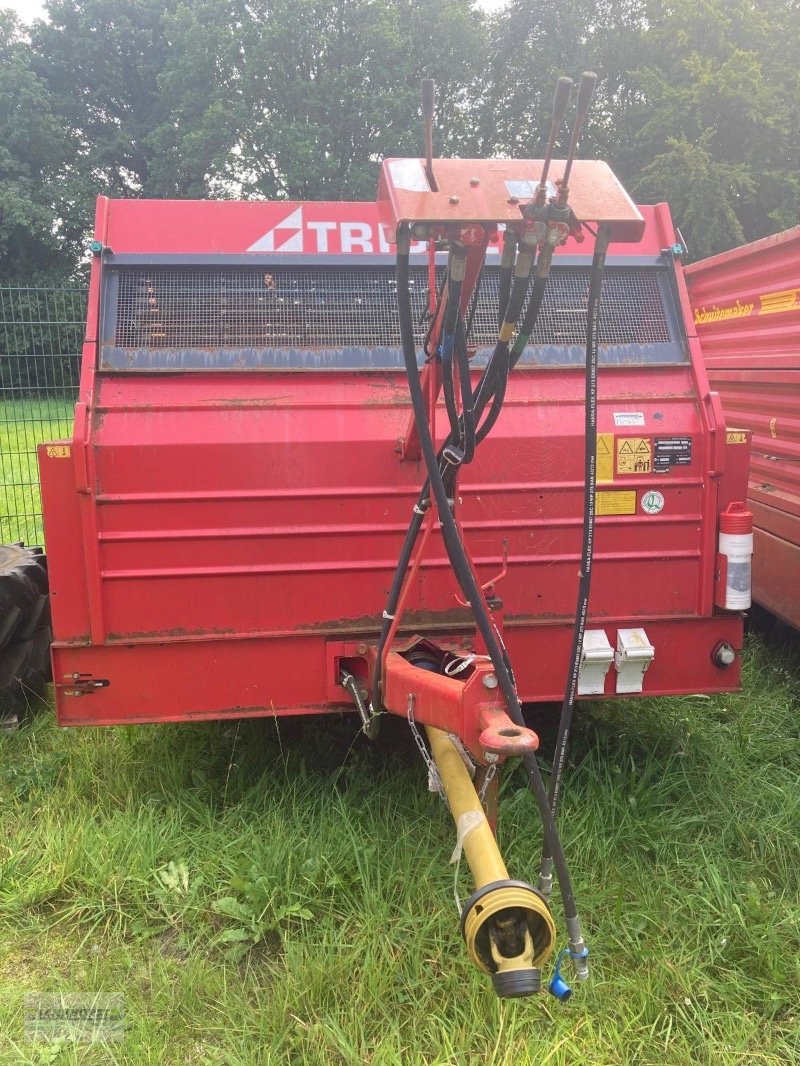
(622,502)
(605,457)
(735,436)
(58,451)
(634,455)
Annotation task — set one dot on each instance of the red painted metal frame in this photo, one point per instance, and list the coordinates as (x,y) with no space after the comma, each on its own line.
(746,310)
(463,705)
(209,229)
(488,190)
(221,543)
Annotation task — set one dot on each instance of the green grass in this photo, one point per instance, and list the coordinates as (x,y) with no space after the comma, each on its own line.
(280,893)
(144,860)
(23,424)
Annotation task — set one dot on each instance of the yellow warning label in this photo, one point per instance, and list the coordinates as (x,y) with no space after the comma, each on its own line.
(605,457)
(634,455)
(58,451)
(622,502)
(735,436)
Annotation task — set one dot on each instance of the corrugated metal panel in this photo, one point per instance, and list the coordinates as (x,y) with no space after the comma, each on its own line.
(746,305)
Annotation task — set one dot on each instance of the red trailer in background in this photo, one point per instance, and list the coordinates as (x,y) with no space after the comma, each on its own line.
(746,307)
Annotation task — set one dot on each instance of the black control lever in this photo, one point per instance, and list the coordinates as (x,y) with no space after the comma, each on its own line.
(428,102)
(560,101)
(585,90)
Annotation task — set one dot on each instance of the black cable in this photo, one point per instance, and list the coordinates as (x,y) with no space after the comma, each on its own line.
(533,308)
(587,547)
(455,284)
(465,576)
(482,395)
(519,291)
(522,338)
(437,308)
(393,598)
(454,353)
(476,295)
(506,269)
(466,424)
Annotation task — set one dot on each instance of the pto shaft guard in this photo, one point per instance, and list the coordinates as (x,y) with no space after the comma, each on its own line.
(506,924)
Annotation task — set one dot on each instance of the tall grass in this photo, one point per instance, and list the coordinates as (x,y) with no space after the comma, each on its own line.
(267,892)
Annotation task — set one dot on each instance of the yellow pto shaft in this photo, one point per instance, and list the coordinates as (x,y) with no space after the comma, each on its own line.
(507,924)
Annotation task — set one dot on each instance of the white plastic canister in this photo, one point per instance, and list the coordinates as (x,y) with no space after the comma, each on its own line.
(736,544)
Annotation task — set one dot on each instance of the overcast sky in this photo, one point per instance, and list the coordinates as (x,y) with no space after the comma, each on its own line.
(31,9)
(26,9)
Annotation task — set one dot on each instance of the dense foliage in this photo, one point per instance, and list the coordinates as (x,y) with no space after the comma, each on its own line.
(697,104)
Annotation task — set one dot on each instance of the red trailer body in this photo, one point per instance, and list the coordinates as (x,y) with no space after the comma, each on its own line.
(746,306)
(224,524)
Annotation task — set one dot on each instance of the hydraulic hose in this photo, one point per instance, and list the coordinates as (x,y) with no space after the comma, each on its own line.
(455,284)
(506,269)
(587,547)
(543,265)
(471,589)
(467,419)
(476,295)
(483,394)
(407,550)
(502,354)
(454,351)
(437,308)
(493,382)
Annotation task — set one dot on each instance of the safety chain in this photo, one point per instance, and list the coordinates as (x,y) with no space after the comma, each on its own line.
(434,780)
(490,775)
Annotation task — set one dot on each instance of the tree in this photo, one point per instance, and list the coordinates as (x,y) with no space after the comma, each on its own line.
(332,86)
(713,133)
(532,45)
(144,89)
(35,241)
(200,91)
(697,102)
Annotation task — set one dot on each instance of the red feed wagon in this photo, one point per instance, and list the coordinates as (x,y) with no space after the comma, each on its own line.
(746,305)
(259,421)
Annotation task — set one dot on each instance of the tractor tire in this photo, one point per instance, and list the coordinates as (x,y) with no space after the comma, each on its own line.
(25,633)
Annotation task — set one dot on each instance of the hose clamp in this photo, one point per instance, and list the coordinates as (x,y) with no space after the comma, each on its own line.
(452,455)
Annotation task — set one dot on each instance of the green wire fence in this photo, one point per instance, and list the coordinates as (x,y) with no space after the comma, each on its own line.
(41,330)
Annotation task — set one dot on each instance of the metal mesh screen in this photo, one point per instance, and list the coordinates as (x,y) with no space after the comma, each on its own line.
(632,310)
(349,307)
(40,340)
(277,308)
